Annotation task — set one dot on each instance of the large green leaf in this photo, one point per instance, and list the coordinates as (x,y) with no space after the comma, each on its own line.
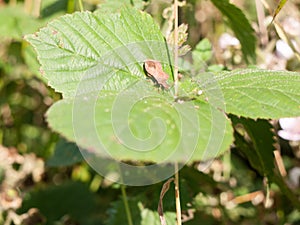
(110,109)
(258,93)
(240,26)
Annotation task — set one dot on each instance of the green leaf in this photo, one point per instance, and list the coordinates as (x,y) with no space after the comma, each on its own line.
(151,217)
(109,107)
(65,154)
(30,58)
(258,93)
(17,22)
(202,52)
(78,202)
(53,8)
(117,213)
(140,214)
(240,26)
(259,149)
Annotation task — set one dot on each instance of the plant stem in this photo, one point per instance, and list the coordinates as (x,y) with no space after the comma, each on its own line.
(260,18)
(176,47)
(71,6)
(267,201)
(36,8)
(80,5)
(177,196)
(125,201)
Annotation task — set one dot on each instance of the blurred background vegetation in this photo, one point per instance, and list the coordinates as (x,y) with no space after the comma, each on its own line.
(44,179)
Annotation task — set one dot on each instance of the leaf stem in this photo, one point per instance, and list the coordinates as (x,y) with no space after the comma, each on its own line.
(177,196)
(125,201)
(1,137)
(80,5)
(176,47)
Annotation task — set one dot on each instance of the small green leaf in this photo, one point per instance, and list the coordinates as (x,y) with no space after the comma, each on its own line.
(201,56)
(240,26)
(202,52)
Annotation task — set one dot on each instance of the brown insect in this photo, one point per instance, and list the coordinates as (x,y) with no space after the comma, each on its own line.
(155,72)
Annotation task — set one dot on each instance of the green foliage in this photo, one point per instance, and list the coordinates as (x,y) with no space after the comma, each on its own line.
(231,89)
(23,103)
(95,60)
(17,22)
(140,215)
(202,54)
(73,199)
(65,154)
(240,26)
(88,68)
(255,140)
(79,67)
(259,146)
(23,95)
(260,93)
